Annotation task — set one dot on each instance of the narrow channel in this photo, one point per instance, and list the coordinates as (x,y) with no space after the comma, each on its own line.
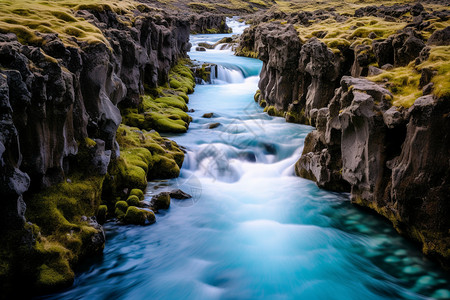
(253,230)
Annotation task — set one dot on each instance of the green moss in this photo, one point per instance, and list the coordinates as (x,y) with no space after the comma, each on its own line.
(102,214)
(403,82)
(257,95)
(272,111)
(139,216)
(133,201)
(120,209)
(262,103)
(138,193)
(439,61)
(164,109)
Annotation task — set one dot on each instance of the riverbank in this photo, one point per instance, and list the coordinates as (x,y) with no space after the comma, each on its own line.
(83,91)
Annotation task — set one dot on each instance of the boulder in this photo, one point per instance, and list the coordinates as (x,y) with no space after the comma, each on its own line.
(160,201)
(440,37)
(139,216)
(179,194)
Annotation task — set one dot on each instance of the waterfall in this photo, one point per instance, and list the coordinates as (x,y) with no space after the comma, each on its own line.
(223,75)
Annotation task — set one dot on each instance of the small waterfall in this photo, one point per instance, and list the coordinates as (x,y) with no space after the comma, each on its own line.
(222,75)
(235,25)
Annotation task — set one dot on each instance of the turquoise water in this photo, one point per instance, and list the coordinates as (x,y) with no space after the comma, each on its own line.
(252,229)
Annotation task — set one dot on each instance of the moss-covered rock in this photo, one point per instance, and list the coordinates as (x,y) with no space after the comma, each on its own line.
(161,201)
(133,201)
(120,209)
(139,216)
(102,214)
(138,193)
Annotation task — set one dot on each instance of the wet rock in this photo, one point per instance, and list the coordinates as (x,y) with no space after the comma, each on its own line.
(213,125)
(139,216)
(208,115)
(160,201)
(179,194)
(200,49)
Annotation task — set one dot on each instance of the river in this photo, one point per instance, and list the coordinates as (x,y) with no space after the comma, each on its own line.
(253,230)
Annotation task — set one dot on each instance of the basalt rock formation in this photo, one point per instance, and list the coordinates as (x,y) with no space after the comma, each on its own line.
(208,23)
(384,140)
(61,104)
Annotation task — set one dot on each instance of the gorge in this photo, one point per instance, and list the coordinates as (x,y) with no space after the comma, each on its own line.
(251,228)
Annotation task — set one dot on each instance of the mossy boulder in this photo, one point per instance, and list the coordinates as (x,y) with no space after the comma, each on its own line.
(139,216)
(161,201)
(102,214)
(138,193)
(120,209)
(133,201)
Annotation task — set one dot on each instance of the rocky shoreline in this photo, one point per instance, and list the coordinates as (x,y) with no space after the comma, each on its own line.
(78,141)
(389,151)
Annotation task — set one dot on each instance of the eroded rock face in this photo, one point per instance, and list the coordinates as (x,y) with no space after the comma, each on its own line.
(392,160)
(421,178)
(55,97)
(279,49)
(207,23)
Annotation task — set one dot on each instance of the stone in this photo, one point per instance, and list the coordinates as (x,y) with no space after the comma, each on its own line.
(428,89)
(213,125)
(440,37)
(139,216)
(373,71)
(160,201)
(208,115)
(179,194)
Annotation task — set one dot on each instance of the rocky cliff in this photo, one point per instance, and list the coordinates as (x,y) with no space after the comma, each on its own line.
(383,139)
(61,97)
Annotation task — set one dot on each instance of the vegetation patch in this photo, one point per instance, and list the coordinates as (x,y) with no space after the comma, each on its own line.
(164,108)
(28,18)
(403,82)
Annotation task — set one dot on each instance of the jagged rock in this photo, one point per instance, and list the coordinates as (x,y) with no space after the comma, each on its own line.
(322,66)
(440,37)
(428,89)
(393,117)
(207,22)
(417,9)
(13,182)
(179,194)
(420,177)
(278,46)
(96,242)
(363,58)
(407,47)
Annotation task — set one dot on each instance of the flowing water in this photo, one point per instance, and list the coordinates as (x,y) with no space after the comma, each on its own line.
(252,230)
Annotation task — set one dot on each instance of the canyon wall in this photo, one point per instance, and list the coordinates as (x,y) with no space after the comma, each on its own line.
(60,110)
(394,159)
